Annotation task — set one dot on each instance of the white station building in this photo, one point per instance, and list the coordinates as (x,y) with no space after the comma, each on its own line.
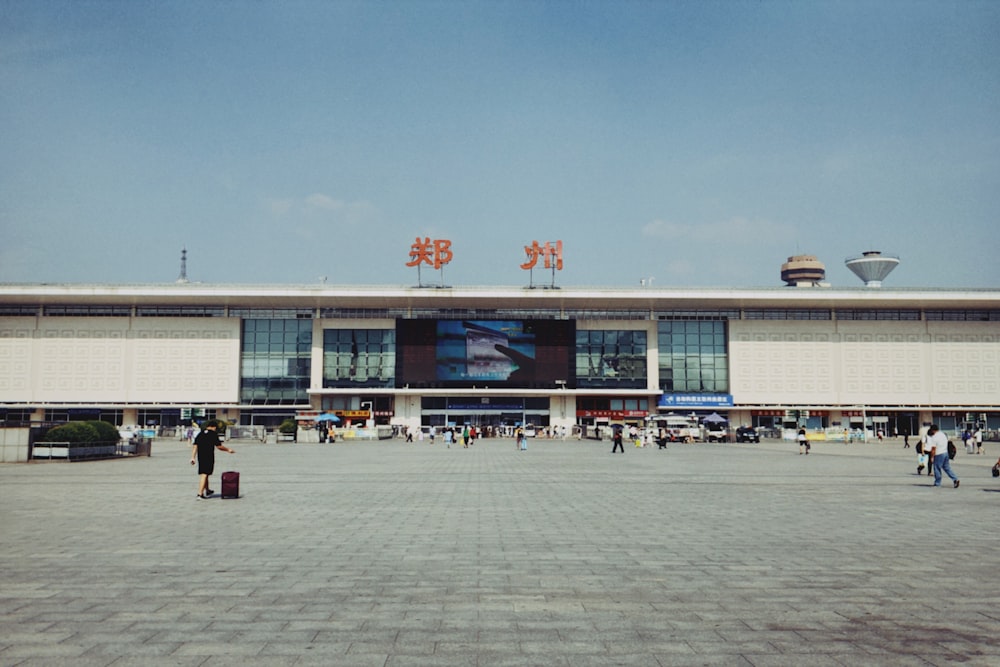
(827,358)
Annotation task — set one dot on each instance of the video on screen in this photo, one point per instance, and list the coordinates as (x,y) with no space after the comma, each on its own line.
(484,351)
(511,353)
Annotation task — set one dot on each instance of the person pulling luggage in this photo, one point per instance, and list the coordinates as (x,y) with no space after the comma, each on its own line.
(203,450)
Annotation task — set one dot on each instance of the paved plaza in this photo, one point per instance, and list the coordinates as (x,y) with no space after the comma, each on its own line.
(393,554)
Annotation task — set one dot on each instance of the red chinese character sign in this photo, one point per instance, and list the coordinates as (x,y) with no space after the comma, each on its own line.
(435,253)
(551,256)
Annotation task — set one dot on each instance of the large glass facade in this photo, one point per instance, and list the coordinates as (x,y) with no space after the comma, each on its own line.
(693,357)
(276,361)
(359,357)
(613,359)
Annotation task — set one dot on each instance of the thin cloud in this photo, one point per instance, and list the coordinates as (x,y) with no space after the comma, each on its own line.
(314,214)
(733,229)
(320,202)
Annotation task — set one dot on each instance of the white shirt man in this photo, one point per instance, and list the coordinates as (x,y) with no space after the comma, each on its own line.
(937,441)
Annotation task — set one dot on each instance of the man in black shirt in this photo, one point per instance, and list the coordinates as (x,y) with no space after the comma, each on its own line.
(204,449)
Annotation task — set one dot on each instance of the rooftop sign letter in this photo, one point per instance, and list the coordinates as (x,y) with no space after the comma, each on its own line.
(547,251)
(435,253)
(552,255)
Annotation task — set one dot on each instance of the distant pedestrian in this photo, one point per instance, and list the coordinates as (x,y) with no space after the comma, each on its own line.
(978,437)
(662,437)
(203,449)
(616,438)
(520,440)
(938,443)
(906,440)
(803,441)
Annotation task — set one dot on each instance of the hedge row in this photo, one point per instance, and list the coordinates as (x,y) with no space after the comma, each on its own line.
(89,431)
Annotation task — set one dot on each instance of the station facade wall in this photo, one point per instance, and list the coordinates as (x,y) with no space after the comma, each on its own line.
(860,362)
(119,360)
(191,360)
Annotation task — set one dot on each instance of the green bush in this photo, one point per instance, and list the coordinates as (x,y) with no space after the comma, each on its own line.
(220,426)
(105,432)
(288,426)
(73,432)
(89,431)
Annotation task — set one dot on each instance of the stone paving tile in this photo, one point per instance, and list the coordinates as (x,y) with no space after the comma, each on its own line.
(391,554)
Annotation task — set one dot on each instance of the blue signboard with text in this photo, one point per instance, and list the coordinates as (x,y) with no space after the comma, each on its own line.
(695,401)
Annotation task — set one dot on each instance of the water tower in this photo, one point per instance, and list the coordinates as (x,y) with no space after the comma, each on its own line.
(872,267)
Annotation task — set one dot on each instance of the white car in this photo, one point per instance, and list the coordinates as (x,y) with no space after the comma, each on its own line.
(716,433)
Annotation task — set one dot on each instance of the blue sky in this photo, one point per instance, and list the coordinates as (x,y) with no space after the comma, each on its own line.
(697,143)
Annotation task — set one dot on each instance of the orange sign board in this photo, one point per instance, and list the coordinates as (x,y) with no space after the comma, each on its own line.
(434,253)
(550,253)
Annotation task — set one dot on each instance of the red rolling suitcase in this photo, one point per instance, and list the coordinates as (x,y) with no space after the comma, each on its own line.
(230,485)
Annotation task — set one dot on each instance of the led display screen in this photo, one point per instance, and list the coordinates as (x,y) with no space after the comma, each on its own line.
(484,353)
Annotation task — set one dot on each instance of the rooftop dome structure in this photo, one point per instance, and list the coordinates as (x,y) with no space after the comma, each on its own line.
(872,267)
(803,270)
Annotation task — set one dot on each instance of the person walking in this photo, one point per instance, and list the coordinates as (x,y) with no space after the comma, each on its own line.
(978,437)
(803,441)
(925,446)
(616,438)
(203,450)
(938,442)
(922,459)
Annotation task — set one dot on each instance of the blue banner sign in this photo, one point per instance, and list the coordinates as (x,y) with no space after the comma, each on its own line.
(695,401)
